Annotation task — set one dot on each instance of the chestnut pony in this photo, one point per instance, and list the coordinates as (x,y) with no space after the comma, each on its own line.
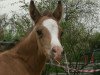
(29,56)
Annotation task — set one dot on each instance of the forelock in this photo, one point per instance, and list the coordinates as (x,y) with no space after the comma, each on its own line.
(47,13)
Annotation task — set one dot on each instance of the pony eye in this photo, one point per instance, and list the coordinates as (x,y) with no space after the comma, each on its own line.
(40,33)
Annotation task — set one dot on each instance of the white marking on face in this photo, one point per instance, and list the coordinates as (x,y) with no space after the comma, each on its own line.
(52,26)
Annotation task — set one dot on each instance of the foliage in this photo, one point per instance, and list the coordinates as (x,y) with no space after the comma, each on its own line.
(15,27)
(74,40)
(52,69)
(95,40)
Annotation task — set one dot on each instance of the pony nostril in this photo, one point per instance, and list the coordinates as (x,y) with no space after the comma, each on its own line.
(54,50)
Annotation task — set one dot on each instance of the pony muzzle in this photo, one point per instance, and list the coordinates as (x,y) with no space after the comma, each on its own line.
(57,52)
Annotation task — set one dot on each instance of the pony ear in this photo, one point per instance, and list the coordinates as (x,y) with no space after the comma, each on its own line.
(58,11)
(34,13)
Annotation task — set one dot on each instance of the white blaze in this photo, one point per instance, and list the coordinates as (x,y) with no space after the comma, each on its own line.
(52,26)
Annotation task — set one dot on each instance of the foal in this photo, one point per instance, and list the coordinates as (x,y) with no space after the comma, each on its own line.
(29,56)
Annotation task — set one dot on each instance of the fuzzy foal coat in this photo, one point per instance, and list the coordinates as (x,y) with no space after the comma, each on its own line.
(20,60)
(29,56)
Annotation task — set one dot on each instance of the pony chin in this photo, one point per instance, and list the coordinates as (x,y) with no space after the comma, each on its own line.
(57,58)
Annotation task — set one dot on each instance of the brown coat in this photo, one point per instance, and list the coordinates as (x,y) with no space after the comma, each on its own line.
(23,59)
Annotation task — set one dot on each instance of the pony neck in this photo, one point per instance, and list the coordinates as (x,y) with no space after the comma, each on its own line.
(28,50)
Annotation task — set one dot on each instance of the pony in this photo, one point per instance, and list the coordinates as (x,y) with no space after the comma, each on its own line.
(29,56)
